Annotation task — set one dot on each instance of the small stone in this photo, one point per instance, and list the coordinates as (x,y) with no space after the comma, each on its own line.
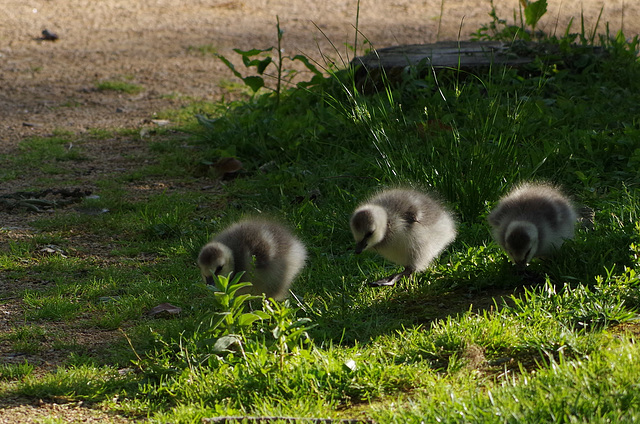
(49,36)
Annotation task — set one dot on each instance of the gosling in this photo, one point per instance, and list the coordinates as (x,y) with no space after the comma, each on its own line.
(269,254)
(407,227)
(533,220)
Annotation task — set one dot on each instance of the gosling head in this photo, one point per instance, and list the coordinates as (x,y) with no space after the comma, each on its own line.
(215,259)
(521,241)
(369,226)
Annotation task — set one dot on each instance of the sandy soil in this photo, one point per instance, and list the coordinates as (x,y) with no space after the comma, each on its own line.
(48,85)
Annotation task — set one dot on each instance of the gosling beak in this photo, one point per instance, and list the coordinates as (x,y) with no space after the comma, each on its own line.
(209,280)
(521,264)
(360,246)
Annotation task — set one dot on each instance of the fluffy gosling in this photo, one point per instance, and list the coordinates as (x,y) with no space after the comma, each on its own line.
(269,253)
(533,220)
(406,226)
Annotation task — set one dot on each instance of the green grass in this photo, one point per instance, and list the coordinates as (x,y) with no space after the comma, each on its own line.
(469,340)
(205,49)
(15,371)
(119,86)
(47,152)
(27,339)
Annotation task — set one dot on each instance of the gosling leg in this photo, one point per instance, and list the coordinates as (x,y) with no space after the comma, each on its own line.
(392,279)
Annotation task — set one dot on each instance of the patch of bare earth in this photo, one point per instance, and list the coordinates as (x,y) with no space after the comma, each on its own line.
(74,412)
(51,85)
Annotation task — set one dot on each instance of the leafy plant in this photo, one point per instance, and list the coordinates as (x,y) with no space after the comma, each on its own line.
(252,81)
(289,332)
(533,11)
(226,327)
(498,29)
(259,59)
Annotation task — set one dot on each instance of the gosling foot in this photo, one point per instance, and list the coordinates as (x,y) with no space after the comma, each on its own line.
(392,279)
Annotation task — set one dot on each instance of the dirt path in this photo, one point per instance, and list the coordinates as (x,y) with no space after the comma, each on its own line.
(47,85)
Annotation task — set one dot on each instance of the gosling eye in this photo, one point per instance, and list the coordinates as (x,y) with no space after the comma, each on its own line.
(368,235)
(218,270)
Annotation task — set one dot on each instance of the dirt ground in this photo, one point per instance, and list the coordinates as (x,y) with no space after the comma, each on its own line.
(51,85)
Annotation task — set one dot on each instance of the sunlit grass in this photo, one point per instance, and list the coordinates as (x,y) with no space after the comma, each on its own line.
(119,86)
(15,371)
(472,339)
